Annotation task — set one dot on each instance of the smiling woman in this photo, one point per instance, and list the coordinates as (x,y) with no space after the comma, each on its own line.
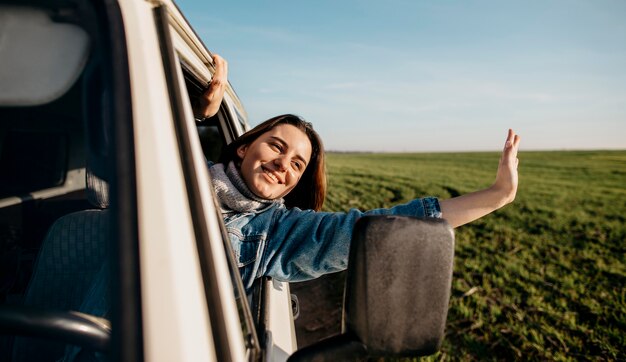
(287,149)
(271,184)
(271,165)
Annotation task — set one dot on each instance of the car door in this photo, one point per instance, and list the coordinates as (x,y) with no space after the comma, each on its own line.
(188,304)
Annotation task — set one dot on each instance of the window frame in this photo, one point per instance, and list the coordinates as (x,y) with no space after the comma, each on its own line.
(175,74)
(250,323)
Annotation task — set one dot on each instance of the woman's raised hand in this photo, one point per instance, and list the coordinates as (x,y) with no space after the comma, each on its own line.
(469,207)
(506,178)
(212,97)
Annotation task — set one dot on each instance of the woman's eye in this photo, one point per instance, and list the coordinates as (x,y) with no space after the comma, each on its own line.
(297,165)
(276,147)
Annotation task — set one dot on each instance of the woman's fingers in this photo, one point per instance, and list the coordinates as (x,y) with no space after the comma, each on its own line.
(221,70)
(506,177)
(511,146)
(512,140)
(212,97)
(509,139)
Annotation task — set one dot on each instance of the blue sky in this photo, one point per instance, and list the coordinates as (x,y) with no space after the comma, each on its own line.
(428,75)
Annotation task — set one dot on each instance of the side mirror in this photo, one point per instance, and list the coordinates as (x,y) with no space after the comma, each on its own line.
(397,291)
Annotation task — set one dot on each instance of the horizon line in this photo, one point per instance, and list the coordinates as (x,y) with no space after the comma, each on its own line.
(487,151)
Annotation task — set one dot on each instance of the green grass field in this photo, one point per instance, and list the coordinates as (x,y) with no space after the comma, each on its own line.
(541,279)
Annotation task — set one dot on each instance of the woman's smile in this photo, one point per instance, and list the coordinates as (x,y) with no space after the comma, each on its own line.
(273,177)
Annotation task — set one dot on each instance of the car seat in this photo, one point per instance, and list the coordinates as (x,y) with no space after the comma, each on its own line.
(69,270)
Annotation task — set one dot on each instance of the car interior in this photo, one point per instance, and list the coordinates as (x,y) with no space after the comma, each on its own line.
(53,228)
(55,161)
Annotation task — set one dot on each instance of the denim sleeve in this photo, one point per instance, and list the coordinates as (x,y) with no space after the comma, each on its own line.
(304,244)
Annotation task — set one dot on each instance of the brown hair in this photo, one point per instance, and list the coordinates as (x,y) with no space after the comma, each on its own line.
(310,192)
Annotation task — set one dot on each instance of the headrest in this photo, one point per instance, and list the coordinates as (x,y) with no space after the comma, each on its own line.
(40,59)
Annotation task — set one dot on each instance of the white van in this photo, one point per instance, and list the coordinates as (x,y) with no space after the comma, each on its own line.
(103,169)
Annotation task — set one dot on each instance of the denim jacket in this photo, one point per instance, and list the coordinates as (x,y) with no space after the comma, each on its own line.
(297,245)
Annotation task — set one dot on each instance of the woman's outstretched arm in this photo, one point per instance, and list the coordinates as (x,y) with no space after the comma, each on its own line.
(469,207)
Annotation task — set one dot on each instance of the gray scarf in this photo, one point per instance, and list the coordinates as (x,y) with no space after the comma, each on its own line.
(233,193)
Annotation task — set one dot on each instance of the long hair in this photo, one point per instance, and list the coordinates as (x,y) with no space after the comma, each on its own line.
(310,192)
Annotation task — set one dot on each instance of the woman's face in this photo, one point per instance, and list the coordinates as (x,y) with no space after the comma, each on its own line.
(273,164)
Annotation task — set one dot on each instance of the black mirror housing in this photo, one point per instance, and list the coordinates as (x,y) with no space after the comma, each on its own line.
(398,286)
(397,290)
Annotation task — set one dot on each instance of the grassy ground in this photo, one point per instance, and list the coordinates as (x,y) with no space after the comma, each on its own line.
(541,279)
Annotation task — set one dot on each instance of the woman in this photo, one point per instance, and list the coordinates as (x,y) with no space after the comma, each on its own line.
(271,185)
